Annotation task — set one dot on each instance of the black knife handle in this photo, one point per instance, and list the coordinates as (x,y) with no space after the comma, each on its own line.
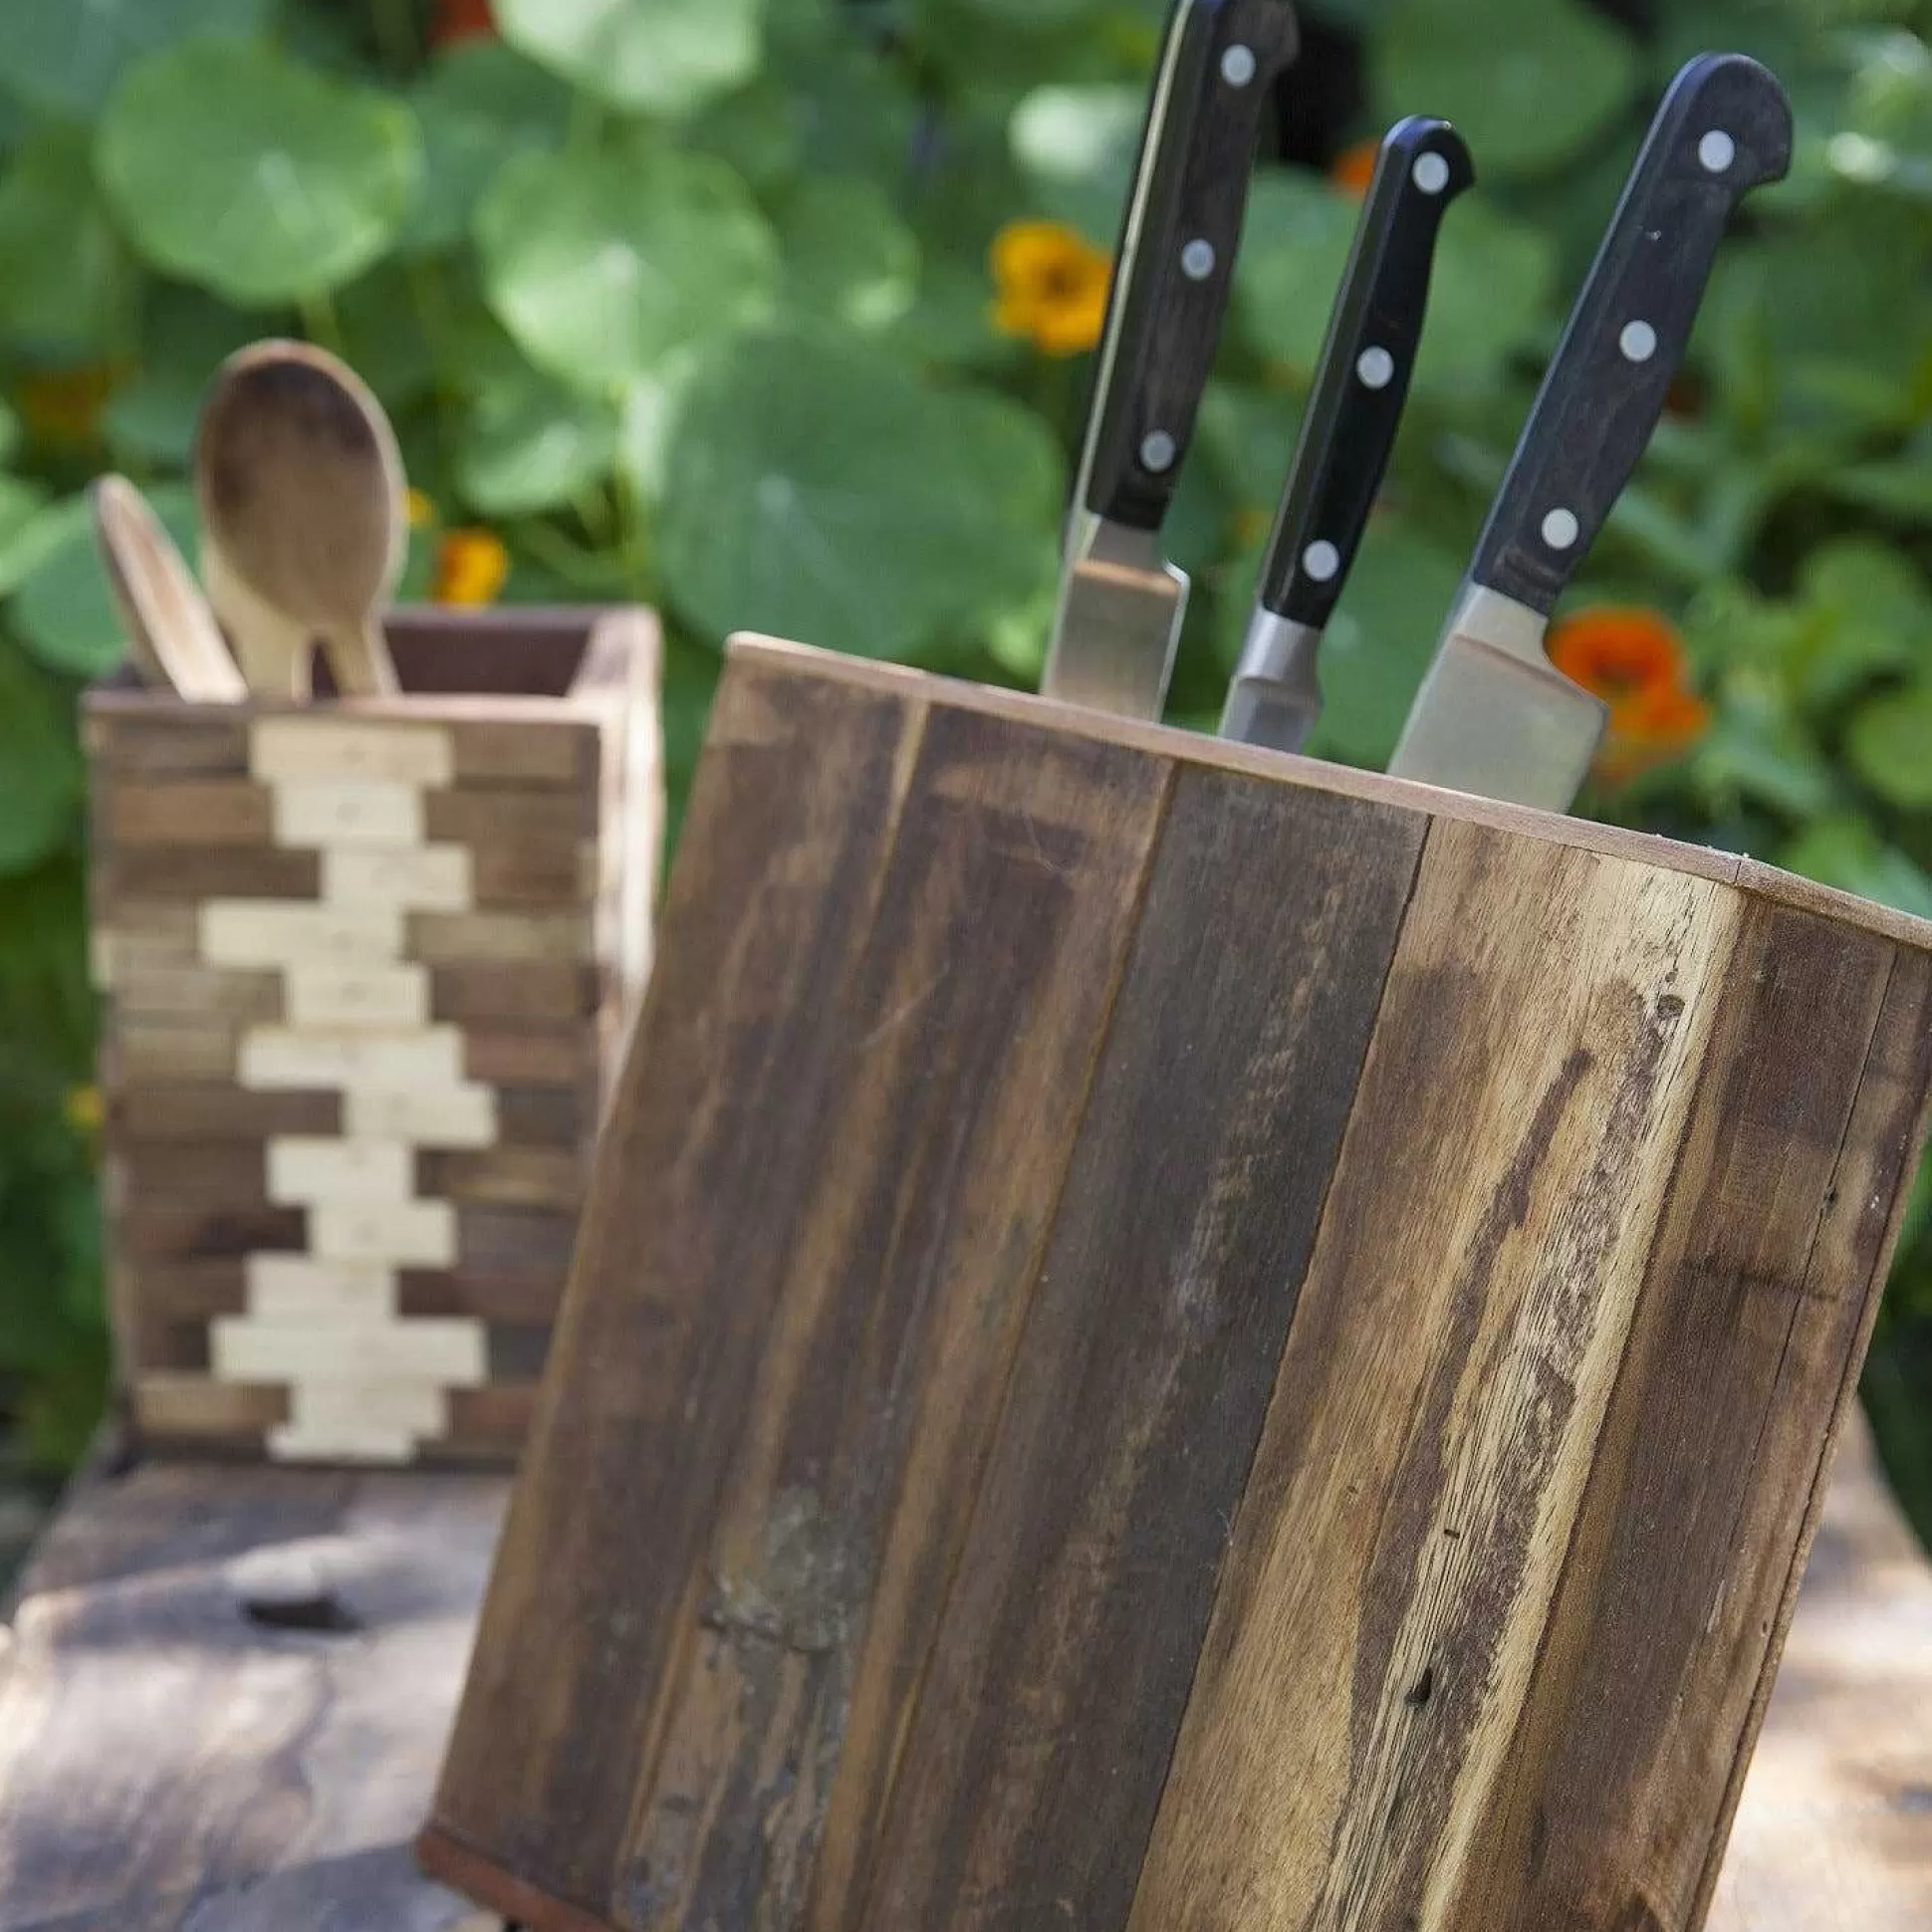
(1362,379)
(1174,267)
(1724,128)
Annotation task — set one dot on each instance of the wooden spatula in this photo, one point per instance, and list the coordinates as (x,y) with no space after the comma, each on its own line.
(303,516)
(176,642)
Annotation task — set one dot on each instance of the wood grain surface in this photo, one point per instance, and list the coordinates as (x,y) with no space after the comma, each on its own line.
(1166,1343)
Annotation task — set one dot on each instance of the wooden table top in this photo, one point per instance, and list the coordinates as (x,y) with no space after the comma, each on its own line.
(225,1696)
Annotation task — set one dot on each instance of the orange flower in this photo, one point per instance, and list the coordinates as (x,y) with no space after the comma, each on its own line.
(1355,167)
(461,20)
(1052,285)
(1635,661)
(62,406)
(471,565)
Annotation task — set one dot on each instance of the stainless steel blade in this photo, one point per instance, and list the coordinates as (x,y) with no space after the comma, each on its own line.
(1494,717)
(1274,698)
(1119,623)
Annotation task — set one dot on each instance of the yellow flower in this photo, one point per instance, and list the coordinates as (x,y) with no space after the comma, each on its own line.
(1052,285)
(422,510)
(471,565)
(84,1109)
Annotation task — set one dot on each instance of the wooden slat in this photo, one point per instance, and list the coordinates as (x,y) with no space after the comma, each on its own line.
(173,873)
(193,1408)
(219,1111)
(198,745)
(188,1231)
(908,1287)
(530,1056)
(1047,1715)
(500,1297)
(209,811)
(706,1170)
(1384,1590)
(510,820)
(539,993)
(1739,1348)
(506,1176)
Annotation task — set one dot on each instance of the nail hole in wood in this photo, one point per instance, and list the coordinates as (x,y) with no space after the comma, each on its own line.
(321,1615)
(1426,1688)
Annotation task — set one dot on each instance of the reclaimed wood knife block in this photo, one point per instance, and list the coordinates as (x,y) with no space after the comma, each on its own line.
(366,968)
(1175,1339)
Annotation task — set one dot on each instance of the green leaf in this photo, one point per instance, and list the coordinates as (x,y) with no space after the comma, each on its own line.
(67,55)
(185,337)
(1299,234)
(480,102)
(662,57)
(828,496)
(65,279)
(1757,751)
(1489,297)
(602,271)
(533,446)
(1872,614)
(1847,852)
(1076,147)
(1890,744)
(849,258)
(40,763)
(62,608)
(236,169)
(1530,83)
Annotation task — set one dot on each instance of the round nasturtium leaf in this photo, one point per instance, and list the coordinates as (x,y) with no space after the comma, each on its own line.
(62,609)
(832,496)
(40,763)
(662,57)
(533,445)
(65,278)
(236,169)
(849,258)
(602,268)
(1530,83)
(480,102)
(67,55)
(1077,147)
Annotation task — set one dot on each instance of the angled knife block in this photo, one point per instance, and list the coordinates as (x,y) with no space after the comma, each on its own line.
(366,969)
(1173,1339)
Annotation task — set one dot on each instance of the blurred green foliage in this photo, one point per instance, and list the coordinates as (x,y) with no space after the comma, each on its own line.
(689,301)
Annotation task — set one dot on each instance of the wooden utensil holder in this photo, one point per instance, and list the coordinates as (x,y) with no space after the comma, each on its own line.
(1175,1339)
(366,968)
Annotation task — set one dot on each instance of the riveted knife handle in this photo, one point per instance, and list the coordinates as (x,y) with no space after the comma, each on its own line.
(1175,264)
(1362,379)
(1724,128)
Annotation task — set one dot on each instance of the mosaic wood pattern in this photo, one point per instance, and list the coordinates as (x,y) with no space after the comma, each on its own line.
(1174,1339)
(365,969)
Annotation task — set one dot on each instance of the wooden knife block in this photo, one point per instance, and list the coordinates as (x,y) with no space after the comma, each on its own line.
(1174,1338)
(366,969)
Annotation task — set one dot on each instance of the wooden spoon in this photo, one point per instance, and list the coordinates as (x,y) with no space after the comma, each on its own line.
(177,643)
(305,517)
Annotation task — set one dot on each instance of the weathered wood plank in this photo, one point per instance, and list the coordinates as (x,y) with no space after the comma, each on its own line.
(708,1162)
(169,1765)
(1047,1713)
(1444,1378)
(1677,1576)
(948,1135)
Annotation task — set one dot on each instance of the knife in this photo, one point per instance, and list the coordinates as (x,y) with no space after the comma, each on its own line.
(1354,407)
(1494,715)
(1120,600)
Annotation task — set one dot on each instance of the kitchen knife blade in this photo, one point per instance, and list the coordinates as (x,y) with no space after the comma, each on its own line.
(1354,407)
(1494,715)
(1120,600)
